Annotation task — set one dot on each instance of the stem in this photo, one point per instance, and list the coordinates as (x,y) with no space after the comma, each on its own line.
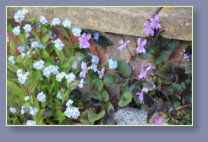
(181,59)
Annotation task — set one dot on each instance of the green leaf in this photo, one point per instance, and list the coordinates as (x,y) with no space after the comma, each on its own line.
(103,42)
(32,20)
(125,99)
(84,118)
(45,54)
(165,71)
(189,66)
(44,29)
(12,67)
(163,56)
(124,69)
(22,39)
(102,96)
(177,87)
(34,80)
(109,80)
(12,46)
(36,36)
(98,84)
(93,116)
(135,97)
(45,39)
(68,51)
(145,56)
(108,107)
(90,82)
(68,65)
(60,55)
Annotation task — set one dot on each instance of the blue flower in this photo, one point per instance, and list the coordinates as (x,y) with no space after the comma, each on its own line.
(67,24)
(27,98)
(33,111)
(95,59)
(41,97)
(11,59)
(59,95)
(43,20)
(16,30)
(22,77)
(27,28)
(20,15)
(39,65)
(60,76)
(21,48)
(93,67)
(112,64)
(12,110)
(55,21)
(58,44)
(72,112)
(76,31)
(69,102)
(30,122)
(96,36)
(70,77)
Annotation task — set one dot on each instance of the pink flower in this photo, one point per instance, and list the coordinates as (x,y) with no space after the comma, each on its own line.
(154,22)
(83,41)
(140,94)
(148,29)
(140,47)
(158,121)
(101,73)
(84,70)
(142,73)
(123,44)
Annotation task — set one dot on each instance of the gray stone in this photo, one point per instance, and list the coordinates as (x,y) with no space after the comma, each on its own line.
(120,20)
(177,22)
(130,116)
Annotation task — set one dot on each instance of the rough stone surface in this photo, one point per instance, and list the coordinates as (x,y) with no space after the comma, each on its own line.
(120,20)
(177,22)
(130,116)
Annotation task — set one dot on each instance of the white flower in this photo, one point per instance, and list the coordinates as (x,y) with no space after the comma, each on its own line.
(67,24)
(41,97)
(72,112)
(70,77)
(112,64)
(76,31)
(12,110)
(33,111)
(30,122)
(27,98)
(16,30)
(58,44)
(20,15)
(43,20)
(81,83)
(55,21)
(69,102)
(22,77)
(27,28)
(23,110)
(11,59)
(39,65)
(60,76)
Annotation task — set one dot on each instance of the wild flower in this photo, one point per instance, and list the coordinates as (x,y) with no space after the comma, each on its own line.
(55,21)
(101,73)
(93,67)
(95,59)
(123,44)
(76,31)
(67,24)
(23,110)
(186,57)
(60,76)
(74,66)
(96,36)
(19,16)
(69,103)
(27,35)
(47,71)
(59,95)
(27,28)
(35,44)
(84,41)
(22,77)
(70,77)
(158,121)
(38,65)
(72,112)
(58,44)
(30,122)
(27,98)
(16,31)
(142,73)
(23,55)
(11,59)
(33,111)
(140,94)
(8,38)
(84,70)
(140,48)
(81,83)
(149,70)
(154,22)
(12,110)
(148,29)
(112,64)
(41,97)
(43,20)
(21,48)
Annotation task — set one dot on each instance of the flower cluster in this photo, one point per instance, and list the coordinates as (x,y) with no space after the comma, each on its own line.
(55,21)
(144,72)
(67,24)
(47,71)
(149,28)
(19,16)
(30,122)
(27,28)
(123,44)
(95,60)
(36,44)
(140,48)
(112,64)
(11,59)
(70,77)
(12,110)
(71,112)
(39,65)
(33,111)
(22,77)
(41,97)
(84,70)
(16,31)
(58,44)
(43,20)
(81,83)
(76,31)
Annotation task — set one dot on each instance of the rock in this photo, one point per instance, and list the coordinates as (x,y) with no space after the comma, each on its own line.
(177,22)
(120,20)
(130,116)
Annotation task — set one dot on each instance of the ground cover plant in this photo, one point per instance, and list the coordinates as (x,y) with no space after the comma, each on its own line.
(50,83)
